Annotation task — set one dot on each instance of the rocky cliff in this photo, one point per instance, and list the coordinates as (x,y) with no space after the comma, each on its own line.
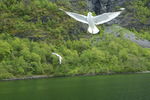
(101,6)
(98,6)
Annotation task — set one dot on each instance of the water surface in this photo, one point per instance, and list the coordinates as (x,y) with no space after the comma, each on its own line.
(103,87)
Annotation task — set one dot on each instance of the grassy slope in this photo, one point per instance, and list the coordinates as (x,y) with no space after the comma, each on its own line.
(31,32)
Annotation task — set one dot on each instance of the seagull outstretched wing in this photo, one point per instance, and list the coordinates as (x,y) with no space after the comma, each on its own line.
(78,17)
(105,17)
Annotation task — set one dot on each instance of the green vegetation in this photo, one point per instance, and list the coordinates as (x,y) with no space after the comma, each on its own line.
(25,57)
(30,30)
(140,12)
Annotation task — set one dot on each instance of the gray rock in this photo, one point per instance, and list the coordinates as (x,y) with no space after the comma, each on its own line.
(101,6)
(118,30)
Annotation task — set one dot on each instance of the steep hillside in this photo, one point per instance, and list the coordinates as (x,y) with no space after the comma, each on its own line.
(30,30)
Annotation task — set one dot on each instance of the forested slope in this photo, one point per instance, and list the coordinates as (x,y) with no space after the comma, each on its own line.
(31,31)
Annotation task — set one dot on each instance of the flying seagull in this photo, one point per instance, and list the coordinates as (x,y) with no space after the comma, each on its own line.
(60,58)
(92,21)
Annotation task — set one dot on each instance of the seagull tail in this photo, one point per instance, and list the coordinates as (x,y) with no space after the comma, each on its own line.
(94,30)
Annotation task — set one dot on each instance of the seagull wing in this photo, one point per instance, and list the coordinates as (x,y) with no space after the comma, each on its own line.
(103,18)
(56,54)
(78,17)
(60,58)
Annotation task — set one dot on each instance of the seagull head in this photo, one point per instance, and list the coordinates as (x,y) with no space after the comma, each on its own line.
(122,9)
(89,13)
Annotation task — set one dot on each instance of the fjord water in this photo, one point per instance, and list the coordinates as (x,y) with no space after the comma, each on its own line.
(102,87)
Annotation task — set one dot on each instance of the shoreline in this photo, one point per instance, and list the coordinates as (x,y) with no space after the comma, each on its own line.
(56,76)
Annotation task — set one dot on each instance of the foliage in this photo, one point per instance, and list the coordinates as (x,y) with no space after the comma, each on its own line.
(139,12)
(37,19)
(25,57)
(30,31)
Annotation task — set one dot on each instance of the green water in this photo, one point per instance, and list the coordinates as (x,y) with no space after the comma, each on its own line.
(103,87)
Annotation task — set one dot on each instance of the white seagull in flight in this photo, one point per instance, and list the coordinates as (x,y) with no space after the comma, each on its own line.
(92,21)
(60,58)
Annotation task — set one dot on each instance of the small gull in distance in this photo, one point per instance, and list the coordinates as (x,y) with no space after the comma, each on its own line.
(60,58)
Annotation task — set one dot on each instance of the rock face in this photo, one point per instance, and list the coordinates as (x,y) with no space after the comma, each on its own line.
(117,31)
(101,6)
